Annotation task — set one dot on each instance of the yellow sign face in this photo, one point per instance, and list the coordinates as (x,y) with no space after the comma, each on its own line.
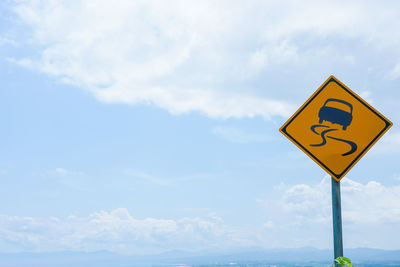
(335,127)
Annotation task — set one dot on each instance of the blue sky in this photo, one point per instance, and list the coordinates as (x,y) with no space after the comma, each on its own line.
(142,126)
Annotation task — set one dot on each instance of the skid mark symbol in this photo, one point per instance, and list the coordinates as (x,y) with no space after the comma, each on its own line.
(324,136)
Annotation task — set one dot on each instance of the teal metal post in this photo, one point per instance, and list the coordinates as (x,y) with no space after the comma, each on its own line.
(337,219)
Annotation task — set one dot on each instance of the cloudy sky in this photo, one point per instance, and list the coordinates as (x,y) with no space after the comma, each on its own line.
(146,126)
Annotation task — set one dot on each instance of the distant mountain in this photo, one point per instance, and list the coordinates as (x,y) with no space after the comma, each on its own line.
(291,256)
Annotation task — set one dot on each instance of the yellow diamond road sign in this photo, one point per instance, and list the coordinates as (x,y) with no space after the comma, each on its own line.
(335,127)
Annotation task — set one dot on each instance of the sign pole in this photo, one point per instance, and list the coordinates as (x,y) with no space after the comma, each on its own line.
(337,219)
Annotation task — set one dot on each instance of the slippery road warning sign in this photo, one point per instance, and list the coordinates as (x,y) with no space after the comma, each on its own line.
(335,127)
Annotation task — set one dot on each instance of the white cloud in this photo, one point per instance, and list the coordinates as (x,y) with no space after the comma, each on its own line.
(366,208)
(198,55)
(299,215)
(115,231)
(372,203)
(213,104)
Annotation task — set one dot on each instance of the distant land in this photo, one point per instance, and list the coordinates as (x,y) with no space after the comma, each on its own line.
(251,257)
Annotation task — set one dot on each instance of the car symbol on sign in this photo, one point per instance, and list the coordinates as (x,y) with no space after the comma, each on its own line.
(336,111)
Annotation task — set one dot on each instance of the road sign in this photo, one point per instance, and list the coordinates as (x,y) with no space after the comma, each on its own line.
(335,127)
